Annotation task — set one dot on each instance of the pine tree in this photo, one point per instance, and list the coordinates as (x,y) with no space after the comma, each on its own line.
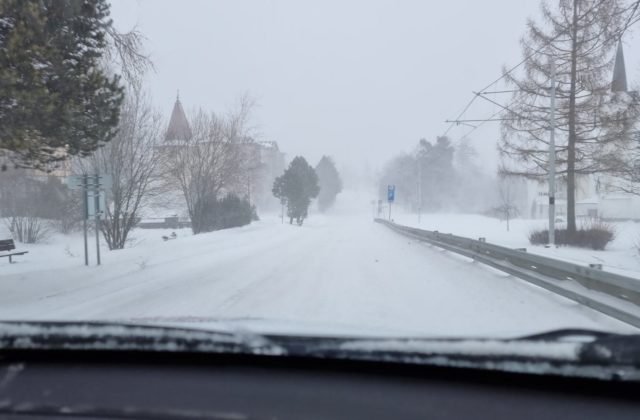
(55,96)
(296,187)
(330,183)
(436,172)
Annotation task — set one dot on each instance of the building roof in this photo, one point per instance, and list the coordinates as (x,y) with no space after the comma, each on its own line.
(269,145)
(619,81)
(179,128)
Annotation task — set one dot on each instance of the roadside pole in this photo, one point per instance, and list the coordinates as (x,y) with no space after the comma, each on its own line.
(419,189)
(96,201)
(391,196)
(85,201)
(552,158)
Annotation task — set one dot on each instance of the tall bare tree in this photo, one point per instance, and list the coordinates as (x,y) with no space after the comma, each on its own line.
(507,208)
(132,160)
(580,37)
(126,53)
(208,163)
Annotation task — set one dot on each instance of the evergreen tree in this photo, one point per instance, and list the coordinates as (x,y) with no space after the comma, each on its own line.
(401,171)
(436,172)
(55,96)
(296,187)
(330,183)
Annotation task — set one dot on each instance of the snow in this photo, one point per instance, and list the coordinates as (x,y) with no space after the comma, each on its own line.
(339,272)
(620,256)
(543,349)
(4,232)
(97,336)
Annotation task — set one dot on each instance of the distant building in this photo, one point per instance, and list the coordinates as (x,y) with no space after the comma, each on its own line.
(179,128)
(262,161)
(596,195)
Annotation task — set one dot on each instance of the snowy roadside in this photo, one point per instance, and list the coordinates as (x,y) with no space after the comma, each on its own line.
(620,256)
(333,274)
(60,251)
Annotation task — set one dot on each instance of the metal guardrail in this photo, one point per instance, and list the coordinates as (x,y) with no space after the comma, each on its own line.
(615,295)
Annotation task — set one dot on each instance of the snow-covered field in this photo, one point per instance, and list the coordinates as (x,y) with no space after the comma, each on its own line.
(620,256)
(339,272)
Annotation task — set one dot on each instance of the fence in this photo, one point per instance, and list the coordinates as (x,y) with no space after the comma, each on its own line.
(164,223)
(612,294)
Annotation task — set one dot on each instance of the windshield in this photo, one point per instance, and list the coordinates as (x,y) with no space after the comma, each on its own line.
(356,169)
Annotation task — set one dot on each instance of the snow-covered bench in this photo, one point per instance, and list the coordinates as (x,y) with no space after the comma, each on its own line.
(7,249)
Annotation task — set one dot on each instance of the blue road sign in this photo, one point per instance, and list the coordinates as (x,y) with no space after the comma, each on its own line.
(391,193)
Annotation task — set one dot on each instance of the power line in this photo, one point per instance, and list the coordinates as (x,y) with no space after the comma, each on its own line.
(479,125)
(461,114)
(630,22)
(505,74)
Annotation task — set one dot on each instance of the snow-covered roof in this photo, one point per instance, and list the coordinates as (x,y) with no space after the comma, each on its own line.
(590,200)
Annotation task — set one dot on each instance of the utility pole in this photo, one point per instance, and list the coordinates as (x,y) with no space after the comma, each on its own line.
(552,157)
(419,188)
(96,206)
(249,188)
(85,201)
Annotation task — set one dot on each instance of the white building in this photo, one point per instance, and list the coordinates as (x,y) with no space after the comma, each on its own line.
(596,195)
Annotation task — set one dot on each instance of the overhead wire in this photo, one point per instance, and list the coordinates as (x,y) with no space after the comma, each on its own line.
(630,22)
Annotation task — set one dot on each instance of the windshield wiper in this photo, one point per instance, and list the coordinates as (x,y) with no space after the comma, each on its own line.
(615,349)
(600,347)
(568,333)
(567,352)
(18,335)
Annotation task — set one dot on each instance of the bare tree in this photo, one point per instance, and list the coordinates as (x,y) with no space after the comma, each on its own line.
(132,160)
(507,209)
(580,37)
(126,51)
(626,177)
(25,206)
(207,164)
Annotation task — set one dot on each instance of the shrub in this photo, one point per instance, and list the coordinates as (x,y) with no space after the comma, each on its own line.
(28,229)
(26,200)
(594,234)
(234,212)
(230,211)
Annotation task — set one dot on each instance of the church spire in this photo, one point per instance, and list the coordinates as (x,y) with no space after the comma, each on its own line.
(179,128)
(619,81)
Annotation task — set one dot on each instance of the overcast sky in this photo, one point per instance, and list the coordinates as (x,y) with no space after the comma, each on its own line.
(358,80)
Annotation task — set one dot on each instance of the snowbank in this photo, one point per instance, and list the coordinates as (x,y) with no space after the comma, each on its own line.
(620,256)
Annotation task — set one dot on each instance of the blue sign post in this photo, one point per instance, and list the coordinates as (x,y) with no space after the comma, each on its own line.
(391,193)
(391,196)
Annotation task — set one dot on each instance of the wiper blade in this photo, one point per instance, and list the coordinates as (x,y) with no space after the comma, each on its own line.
(599,348)
(18,335)
(568,333)
(575,353)
(416,349)
(615,349)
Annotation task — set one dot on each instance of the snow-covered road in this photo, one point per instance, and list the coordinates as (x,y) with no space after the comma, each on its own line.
(340,271)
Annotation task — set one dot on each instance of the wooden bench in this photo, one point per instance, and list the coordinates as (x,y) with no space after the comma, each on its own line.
(9,245)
